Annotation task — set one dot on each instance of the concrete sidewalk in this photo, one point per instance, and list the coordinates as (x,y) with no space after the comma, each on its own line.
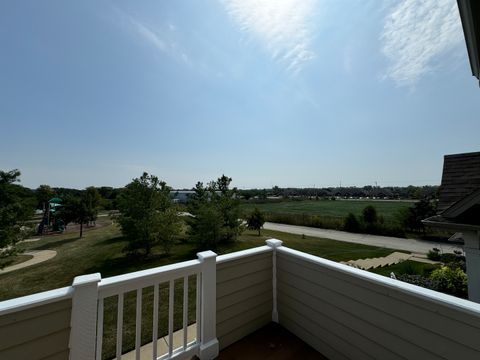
(411,245)
(39,256)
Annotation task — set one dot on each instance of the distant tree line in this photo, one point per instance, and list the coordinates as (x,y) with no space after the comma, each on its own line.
(378,192)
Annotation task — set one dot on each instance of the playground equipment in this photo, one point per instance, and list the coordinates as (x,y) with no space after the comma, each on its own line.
(49,222)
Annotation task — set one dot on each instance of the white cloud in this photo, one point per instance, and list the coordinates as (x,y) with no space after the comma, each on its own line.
(282,26)
(149,35)
(161,40)
(415,36)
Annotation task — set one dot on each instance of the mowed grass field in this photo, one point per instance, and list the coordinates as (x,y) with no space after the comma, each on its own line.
(389,209)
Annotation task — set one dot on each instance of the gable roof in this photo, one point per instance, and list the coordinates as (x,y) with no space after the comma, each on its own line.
(460,179)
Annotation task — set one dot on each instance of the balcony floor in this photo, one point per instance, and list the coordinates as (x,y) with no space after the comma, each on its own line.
(270,342)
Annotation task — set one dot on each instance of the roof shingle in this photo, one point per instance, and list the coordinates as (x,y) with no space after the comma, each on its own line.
(461,177)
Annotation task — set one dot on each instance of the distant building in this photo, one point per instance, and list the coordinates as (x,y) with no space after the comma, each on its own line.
(181,196)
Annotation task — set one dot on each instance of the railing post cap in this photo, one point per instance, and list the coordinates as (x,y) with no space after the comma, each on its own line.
(89,279)
(274,243)
(204,255)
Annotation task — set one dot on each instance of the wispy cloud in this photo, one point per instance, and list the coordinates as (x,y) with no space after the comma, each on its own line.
(283,26)
(149,35)
(416,34)
(162,41)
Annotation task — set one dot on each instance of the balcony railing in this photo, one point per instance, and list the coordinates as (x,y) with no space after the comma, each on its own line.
(340,311)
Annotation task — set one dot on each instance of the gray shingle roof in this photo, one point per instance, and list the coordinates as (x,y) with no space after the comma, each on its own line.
(461,177)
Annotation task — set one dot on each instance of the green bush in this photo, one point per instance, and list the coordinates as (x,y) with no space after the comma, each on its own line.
(351,224)
(434,254)
(450,280)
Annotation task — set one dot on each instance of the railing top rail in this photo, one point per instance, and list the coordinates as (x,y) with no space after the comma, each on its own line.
(34,300)
(138,279)
(430,295)
(243,253)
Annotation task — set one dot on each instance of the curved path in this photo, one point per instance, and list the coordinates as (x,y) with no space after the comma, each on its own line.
(38,257)
(411,245)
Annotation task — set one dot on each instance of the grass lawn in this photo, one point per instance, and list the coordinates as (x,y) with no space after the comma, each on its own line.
(337,208)
(406,267)
(100,250)
(14,260)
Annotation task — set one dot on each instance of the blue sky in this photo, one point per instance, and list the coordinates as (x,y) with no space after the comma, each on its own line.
(284,92)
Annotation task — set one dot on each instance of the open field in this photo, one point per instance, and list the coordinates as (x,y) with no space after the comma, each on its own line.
(331,208)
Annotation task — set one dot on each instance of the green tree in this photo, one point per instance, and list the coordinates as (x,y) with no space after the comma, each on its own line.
(91,199)
(351,223)
(81,209)
(412,217)
(43,194)
(205,226)
(370,219)
(229,206)
(216,213)
(168,228)
(369,215)
(75,210)
(15,208)
(147,215)
(255,220)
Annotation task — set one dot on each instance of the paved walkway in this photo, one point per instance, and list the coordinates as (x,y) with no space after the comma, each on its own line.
(411,245)
(31,240)
(39,256)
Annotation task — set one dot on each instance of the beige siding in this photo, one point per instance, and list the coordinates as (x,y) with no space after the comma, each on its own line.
(244,296)
(346,316)
(39,333)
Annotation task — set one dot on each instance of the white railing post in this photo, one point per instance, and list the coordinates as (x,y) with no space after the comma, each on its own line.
(274,244)
(84,317)
(208,305)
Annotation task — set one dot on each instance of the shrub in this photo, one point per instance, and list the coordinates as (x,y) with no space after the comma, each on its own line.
(351,223)
(418,280)
(434,254)
(369,215)
(256,220)
(450,280)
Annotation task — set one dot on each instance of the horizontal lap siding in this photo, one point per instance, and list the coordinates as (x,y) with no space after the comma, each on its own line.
(344,316)
(244,297)
(38,333)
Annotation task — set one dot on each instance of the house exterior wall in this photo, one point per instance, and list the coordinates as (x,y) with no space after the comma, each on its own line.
(345,314)
(41,332)
(244,296)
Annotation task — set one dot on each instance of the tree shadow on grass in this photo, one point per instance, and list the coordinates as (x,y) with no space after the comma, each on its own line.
(126,264)
(55,244)
(110,241)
